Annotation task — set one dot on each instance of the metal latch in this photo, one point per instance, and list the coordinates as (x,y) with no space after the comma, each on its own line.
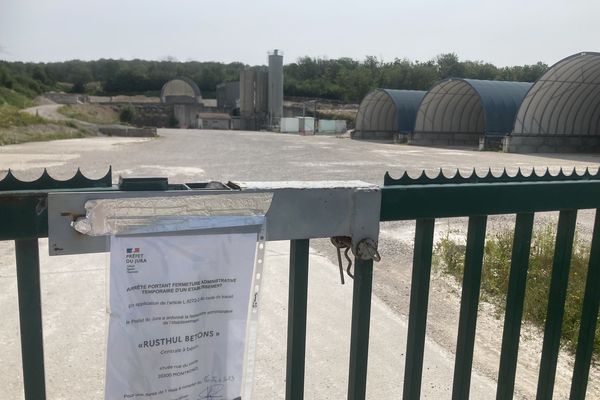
(366,249)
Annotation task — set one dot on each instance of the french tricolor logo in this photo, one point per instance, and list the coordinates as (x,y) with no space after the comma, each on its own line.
(133,250)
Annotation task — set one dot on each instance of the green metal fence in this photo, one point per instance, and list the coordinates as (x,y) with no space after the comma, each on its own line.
(23,218)
(424,199)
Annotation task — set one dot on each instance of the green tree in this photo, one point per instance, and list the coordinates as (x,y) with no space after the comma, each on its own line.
(449,66)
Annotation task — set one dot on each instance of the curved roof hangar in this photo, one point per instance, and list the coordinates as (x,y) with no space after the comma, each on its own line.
(388,110)
(565,100)
(471,106)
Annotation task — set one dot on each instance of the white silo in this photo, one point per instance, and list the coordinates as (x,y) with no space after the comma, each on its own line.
(275,90)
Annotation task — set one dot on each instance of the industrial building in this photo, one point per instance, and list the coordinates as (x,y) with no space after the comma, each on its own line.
(253,99)
(332,126)
(180,90)
(181,98)
(261,95)
(386,114)
(208,120)
(561,111)
(256,102)
(468,112)
(228,96)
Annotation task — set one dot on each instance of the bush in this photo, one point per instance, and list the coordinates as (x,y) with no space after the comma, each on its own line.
(127,114)
(11,116)
(449,255)
(12,98)
(78,87)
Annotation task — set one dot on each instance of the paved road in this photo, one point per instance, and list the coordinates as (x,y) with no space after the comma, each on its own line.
(74,324)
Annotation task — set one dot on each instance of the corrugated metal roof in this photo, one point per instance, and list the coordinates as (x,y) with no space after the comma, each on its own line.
(388,110)
(565,100)
(471,106)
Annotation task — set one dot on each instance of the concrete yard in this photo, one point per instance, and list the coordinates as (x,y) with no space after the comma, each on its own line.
(74,287)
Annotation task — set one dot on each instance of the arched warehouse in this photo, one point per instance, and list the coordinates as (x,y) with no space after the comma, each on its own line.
(468,112)
(561,111)
(386,113)
(180,90)
(182,99)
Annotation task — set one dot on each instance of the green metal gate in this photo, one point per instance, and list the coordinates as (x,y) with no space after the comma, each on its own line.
(424,199)
(24,219)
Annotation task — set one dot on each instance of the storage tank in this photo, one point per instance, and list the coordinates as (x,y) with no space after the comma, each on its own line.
(275,91)
(247,78)
(261,95)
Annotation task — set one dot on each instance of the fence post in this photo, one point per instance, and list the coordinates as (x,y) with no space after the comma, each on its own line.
(359,339)
(30,317)
(589,318)
(563,250)
(469,302)
(296,344)
(515,299)
(419,299)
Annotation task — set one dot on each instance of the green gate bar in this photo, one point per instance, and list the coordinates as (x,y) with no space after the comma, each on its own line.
(556,302)
(469,303)
(30,318)
(297,302)
(419,299)
(515,300)
(589,318)
(359,331)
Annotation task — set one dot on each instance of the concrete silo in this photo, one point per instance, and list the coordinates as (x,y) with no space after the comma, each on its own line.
(247,79)
(275,90)
(261,93)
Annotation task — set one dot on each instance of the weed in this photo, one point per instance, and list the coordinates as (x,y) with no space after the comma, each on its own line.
(11,116)
(449,257)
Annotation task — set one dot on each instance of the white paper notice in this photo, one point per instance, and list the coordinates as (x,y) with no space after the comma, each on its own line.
(178,313)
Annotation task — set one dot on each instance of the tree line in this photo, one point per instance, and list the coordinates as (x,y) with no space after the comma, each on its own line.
(343,79)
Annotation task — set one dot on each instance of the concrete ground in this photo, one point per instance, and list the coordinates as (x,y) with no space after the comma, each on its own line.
(74,292)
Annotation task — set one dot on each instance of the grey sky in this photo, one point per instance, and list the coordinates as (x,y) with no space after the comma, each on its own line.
(504,32)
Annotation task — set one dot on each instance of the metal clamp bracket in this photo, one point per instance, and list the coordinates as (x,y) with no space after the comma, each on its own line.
(299,210)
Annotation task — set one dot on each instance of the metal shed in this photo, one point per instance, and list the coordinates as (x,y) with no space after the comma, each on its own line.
(468,112)
(561,111)
(385,113)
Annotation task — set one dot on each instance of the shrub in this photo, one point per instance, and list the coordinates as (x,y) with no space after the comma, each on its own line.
(127,114)
(12,98)
(449,255)
(11,116)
